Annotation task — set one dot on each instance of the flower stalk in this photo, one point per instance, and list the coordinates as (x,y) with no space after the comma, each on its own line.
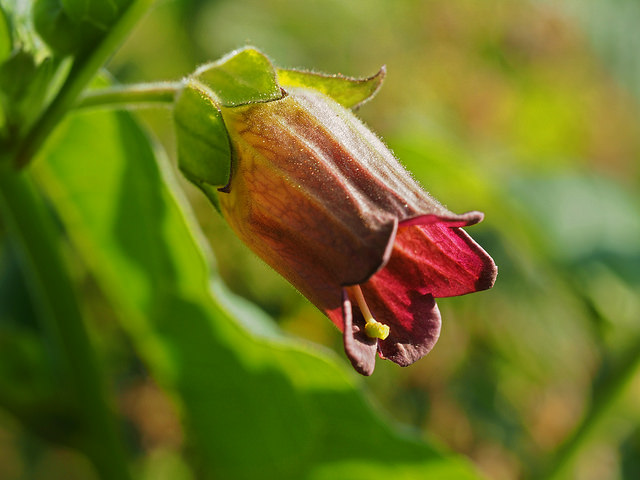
(604,399)
(131,96)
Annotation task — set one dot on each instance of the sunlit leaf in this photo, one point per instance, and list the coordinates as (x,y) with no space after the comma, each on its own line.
(349,92)
(255,408)
(241,77)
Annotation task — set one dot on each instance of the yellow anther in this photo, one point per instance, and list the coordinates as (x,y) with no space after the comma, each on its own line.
(375,329)
(372,327)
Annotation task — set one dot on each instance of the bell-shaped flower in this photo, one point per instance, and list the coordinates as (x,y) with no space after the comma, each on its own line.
(323,201)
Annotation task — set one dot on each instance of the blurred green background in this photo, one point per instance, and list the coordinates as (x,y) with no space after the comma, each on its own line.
(527,111)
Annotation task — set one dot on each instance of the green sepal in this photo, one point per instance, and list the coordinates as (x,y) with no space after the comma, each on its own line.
(348,92)
(204,154)
(242,77)
(210,192)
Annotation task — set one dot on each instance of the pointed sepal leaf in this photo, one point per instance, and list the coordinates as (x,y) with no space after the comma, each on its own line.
(242,77)
(204,155)
(348,92)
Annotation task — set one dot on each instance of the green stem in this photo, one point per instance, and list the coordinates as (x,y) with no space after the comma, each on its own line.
(82,71)
(33,227)
(605,398)
(130,96)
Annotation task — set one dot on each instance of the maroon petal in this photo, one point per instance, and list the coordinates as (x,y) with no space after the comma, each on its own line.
(302,200)
(321,199)
(427,261)
(413,317)
(440,260)
(360,348)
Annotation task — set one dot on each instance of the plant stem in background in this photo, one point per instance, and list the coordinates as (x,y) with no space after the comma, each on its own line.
(33,228)
(604,399)
(82,71)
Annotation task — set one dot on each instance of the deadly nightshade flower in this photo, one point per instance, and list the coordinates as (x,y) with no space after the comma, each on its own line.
(325,203)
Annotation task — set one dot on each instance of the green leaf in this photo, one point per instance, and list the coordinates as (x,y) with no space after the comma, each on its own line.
(89,58)
(59,31)
(101,13)
(72,27)
(244,76)
(32,225)
(16,74)
(16,305)
(204,154)
(23,89)
(349,92)
(254,407)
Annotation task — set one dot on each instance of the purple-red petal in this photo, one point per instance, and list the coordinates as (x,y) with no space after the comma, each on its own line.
(413,318)
(439,260)
(360,348)
(319,197)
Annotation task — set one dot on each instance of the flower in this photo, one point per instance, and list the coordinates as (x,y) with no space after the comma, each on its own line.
(325,203)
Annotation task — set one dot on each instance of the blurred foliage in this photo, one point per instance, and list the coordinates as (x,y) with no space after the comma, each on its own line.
(527,111)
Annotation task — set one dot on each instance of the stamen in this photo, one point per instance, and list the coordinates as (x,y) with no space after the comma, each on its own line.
(372,327)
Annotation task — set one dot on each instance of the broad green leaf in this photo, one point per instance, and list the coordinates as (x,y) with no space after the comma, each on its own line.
(255,406)
(204,154)
(243,76)
(349,92)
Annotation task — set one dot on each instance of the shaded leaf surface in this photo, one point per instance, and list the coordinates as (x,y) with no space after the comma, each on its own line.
(255,408)
(204,154)
(74,26)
